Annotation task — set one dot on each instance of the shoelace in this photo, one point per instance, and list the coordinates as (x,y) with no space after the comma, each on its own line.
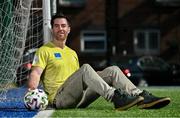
(146,93)
(122,92)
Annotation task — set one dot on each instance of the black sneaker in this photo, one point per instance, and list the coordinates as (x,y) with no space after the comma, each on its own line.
(153,102)
(123,101)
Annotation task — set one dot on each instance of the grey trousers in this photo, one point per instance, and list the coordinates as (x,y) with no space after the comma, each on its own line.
(85,85)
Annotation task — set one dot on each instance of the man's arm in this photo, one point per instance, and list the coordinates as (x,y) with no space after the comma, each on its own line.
(34,78)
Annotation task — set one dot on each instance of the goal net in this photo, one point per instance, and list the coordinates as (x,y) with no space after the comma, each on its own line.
(20,34)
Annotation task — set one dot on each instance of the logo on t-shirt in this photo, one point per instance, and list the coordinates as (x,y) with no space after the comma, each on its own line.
(57,55)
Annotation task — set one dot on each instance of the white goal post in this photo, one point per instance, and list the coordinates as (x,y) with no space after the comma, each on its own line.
(46,20)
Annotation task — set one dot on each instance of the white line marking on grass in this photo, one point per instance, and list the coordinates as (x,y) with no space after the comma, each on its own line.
(44,114)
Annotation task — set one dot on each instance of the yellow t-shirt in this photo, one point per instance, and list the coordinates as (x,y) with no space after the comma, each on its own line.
(58,65)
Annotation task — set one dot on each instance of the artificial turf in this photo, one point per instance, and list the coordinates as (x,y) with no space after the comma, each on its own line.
(102,108)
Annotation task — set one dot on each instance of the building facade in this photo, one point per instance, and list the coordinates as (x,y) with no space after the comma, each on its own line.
(107,30)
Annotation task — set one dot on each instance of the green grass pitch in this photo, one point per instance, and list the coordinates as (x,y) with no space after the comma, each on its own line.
(102,108)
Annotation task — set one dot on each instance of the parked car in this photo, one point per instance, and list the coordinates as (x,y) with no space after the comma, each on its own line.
(150,70)
(23,70)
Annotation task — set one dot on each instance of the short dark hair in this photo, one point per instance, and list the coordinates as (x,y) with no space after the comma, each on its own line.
(59,15)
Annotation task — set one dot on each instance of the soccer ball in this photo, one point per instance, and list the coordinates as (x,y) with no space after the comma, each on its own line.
(36,100)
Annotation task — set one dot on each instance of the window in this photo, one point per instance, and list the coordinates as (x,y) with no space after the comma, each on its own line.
(146,41)
(72,3)
(93,41)
(173,3)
